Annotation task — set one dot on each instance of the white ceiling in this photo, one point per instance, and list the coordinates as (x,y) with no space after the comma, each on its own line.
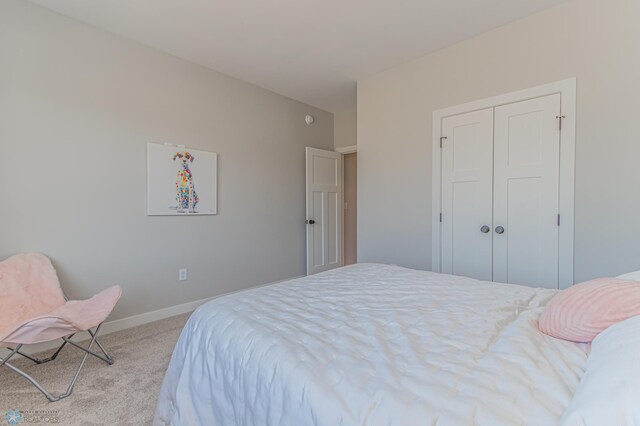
(312,51)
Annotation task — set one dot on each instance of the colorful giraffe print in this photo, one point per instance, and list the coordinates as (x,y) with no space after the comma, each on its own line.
(186,195)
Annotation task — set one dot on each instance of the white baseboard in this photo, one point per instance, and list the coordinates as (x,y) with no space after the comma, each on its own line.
(135,320)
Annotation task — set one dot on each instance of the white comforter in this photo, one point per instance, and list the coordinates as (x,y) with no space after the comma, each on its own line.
(371,344)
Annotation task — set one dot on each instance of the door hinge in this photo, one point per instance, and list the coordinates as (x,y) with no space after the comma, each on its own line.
(440,217)
(560,118)
(558,220)
(441,140)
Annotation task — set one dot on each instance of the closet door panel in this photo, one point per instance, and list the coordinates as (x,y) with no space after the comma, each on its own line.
(467,168)
(526,182)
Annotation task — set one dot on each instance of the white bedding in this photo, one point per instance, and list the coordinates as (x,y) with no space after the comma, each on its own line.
(371,344)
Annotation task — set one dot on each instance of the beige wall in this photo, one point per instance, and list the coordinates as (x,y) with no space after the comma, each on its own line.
(351,211)
(77,107)
(344,131)
(597,42)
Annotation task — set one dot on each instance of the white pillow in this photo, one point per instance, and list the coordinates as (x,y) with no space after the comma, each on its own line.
(609,392)
(633,276)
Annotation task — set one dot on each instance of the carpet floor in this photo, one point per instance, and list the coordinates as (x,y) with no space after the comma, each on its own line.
(124,393)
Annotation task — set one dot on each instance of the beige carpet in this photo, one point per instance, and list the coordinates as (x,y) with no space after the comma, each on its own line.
(124,393)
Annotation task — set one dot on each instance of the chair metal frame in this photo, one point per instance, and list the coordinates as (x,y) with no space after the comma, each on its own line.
(67,339)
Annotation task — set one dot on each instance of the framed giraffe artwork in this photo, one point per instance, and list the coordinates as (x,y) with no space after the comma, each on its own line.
(181,181)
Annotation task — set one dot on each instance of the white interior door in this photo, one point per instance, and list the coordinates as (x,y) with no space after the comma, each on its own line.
(467,173)
(324,210)
(526,183)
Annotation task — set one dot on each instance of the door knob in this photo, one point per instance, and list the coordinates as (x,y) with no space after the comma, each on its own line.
(499,230)
(485,229)
(310,221)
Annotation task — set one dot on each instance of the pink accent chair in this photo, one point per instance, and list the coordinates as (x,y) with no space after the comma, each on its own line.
(33,309)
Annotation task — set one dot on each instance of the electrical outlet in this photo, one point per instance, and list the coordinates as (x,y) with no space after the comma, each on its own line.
(182,274)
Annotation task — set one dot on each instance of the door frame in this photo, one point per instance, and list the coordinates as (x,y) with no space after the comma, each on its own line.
(567,90)
(351,149)
(347,149)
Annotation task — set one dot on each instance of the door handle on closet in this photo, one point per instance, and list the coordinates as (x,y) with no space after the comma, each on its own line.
(485,229)
(499,230)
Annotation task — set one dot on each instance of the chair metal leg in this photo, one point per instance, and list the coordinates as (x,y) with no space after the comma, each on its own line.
(107,358)
(50,397)
(47,394)
(45,360)
(3,361)
(104,351)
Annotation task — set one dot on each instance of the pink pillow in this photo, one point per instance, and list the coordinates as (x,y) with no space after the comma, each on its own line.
(583,311)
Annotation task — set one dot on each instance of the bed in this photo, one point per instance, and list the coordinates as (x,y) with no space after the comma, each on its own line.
(371,344)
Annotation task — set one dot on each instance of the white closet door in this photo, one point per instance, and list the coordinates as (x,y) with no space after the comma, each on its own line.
(526,179)
(467,167)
